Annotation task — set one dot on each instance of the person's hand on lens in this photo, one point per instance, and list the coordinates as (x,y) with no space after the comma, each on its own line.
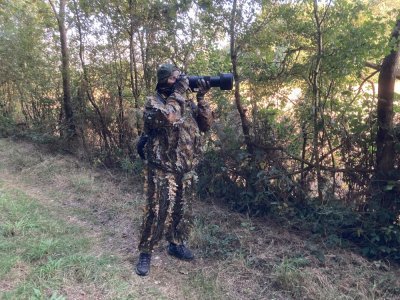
(203,88)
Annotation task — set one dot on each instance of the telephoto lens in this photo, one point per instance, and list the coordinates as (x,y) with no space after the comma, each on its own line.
(224,81)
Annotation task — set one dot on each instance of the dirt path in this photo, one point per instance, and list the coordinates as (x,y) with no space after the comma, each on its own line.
(237,258)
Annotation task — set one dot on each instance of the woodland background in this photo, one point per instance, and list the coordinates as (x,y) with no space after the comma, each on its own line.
(309,135)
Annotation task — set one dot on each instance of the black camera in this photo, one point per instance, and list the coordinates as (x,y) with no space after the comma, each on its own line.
(224,81)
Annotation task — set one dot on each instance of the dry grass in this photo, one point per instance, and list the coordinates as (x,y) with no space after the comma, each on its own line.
(237,257)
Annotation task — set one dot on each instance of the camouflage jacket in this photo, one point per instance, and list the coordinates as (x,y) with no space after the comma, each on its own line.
(173,125)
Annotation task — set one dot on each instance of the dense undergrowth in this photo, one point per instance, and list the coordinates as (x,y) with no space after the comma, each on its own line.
(367,226)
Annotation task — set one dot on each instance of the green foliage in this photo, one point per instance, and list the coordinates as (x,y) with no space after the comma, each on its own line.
(376,233)
(250,186)
(134,167)
(334,221)
(381,241)
(7,126)
(379,233)
(350,27)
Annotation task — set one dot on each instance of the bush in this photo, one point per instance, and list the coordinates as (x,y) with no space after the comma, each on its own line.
(248,184)
(251,186)
(7,126)
(380,232)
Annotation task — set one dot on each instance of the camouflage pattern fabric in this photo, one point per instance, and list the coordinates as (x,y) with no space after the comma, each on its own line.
(173,150)
(169,208)
(174,132)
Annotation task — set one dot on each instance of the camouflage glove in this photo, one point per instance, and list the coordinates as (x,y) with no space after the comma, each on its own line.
(181,85)
(204,87)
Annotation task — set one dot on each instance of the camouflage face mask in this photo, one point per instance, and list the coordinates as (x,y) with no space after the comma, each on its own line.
(165,89)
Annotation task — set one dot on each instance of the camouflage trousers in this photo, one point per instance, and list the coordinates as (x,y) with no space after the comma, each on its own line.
(169,207)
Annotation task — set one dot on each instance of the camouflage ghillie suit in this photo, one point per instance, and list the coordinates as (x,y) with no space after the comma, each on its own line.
(174,125)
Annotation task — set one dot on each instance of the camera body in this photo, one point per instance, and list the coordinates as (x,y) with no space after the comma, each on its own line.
(224,81)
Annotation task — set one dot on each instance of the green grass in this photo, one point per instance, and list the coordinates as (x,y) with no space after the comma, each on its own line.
(82,184)
(289,275)
(203,286)
(213,240)
(42,256)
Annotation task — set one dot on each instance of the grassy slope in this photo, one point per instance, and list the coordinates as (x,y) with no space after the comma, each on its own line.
(68,231)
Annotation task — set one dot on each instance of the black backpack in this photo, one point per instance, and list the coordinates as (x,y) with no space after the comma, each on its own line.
(140,145)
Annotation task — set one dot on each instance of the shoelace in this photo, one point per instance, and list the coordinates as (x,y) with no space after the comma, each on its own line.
(144,261)
(181,249)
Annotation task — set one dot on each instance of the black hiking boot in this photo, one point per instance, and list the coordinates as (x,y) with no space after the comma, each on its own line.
(180,251)
(143,265)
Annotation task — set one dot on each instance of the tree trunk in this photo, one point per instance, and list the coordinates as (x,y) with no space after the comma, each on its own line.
(121,117)
(66,80)
(303,156)
(105,133)
(316,92)
(385,154)
(133,66)
(239,106)
(132,57)
(145,42)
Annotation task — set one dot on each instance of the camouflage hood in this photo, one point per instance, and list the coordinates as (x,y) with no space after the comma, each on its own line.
(164,71)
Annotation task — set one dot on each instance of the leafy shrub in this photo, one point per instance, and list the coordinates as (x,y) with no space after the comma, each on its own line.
(129,166)
(375,232)
(248,184)
(380,232)
(7,126)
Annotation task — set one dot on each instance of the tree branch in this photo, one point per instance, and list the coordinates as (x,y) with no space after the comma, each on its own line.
(378,68)
(53,7)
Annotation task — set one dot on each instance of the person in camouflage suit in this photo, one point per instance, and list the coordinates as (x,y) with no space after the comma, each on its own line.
(173,125)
